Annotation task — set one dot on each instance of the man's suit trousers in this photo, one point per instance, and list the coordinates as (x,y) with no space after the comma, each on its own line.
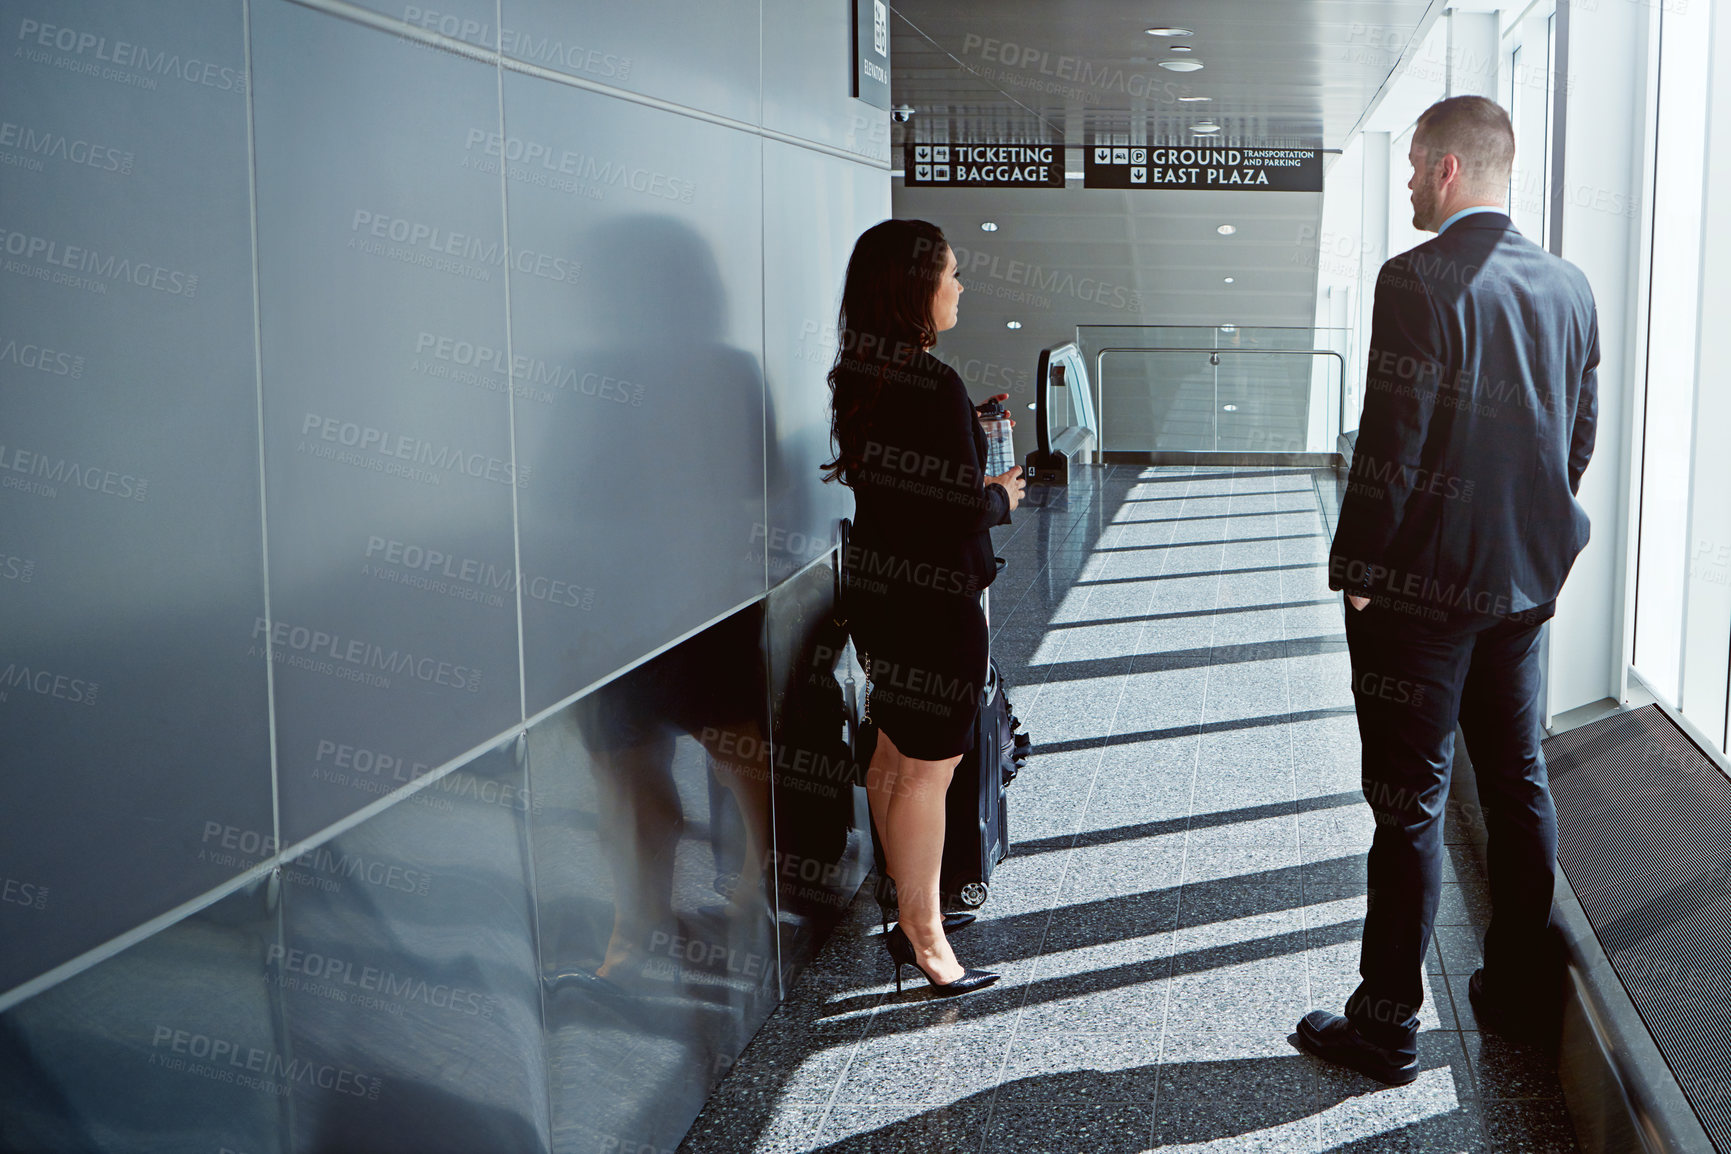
(1413,678)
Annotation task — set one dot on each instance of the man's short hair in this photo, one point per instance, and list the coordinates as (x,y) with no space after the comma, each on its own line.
(1478,132)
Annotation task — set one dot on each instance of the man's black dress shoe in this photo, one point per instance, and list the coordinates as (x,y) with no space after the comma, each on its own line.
(1334,1039)
(1476,995)
(1537,1024)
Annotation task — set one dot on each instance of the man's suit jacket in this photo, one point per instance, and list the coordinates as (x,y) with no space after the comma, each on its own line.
(1480,403)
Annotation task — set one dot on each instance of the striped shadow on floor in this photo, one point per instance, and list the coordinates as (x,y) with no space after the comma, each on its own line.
(1187,877)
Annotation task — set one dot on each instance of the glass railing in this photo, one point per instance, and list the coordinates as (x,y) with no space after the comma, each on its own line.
(1217,389)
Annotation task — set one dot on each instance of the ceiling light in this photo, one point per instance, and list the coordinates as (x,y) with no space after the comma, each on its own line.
(1229,408)
(1205,128)
(1034,405)
(1228,280)
(1012,324)
(1228,328)
(1182,65)
(1227,229)
(1180,48)
(988,226)
(1169,32)
(1194,99)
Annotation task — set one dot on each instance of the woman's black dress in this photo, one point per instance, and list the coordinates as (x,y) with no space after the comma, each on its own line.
(920,555)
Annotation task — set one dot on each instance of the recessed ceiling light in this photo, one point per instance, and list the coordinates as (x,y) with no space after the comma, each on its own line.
(1229,408)
(988,226)
(1228,328)
(1227,229)
(1179,48)
(1169,32)
(1205,128)
(1182,65)
(1228,280)
(1012,324)
(1194,99)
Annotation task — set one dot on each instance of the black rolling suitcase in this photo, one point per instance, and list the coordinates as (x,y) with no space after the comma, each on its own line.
(977,816)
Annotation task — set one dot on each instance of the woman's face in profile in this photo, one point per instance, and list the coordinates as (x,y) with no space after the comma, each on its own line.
(946,300)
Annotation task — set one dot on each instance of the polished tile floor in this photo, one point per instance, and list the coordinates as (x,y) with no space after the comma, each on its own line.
(1187,876)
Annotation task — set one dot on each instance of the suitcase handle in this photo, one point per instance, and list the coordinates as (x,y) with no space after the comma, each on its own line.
(845,531)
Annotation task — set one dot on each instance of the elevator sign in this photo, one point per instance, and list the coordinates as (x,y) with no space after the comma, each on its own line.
(871,52)
(983,165)
(1204,169)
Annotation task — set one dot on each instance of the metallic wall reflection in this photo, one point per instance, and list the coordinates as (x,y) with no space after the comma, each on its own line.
(370,398)
(657,921)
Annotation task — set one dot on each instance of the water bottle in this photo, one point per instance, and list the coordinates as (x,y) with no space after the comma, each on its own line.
(1000,439)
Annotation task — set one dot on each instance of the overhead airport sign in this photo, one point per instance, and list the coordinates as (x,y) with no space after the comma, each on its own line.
(871,52)
(1204,169)
(983,165)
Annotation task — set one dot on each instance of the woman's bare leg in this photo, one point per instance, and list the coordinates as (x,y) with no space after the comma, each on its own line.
(907,802)
(880,781)
(641,821)
(748,782)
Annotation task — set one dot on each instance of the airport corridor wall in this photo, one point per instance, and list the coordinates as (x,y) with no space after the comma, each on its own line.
(380,387)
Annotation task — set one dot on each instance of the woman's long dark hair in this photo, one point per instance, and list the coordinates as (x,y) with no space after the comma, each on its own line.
(885,319)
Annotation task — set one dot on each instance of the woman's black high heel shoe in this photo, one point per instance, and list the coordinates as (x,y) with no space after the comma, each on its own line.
(952,922)
(902,953)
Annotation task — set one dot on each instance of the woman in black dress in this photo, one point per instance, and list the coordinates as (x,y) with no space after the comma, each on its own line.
(908,444)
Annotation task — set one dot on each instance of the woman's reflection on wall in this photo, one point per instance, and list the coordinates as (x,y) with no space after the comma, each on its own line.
(646,477)
(688,895)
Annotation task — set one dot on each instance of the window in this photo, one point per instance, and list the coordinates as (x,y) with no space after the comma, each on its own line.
(1527,94)
(1674,218)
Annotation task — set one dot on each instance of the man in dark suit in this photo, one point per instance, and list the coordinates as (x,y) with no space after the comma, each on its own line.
(1458,528)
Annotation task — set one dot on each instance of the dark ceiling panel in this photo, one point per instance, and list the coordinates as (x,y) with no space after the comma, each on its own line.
(1294,72)
(1300,73)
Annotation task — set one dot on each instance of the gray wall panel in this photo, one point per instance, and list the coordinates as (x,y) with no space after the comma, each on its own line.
(409,958)
(807,78)
(387,436)
(643,429)
(173,1045)
(815,207)
(699,55)
(130,551)
(471,21)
